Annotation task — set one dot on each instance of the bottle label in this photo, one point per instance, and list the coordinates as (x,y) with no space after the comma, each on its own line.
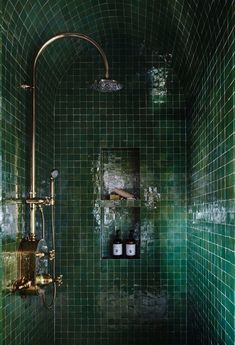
(130,249)
(117,249)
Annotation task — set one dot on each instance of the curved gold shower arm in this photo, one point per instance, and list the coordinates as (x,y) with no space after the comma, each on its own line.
(78,35)
(33,169)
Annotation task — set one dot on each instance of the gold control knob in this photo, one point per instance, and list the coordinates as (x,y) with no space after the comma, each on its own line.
(51,254)
(59,280)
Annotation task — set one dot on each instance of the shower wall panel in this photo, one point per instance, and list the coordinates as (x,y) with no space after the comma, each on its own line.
(211,194)
(107,301)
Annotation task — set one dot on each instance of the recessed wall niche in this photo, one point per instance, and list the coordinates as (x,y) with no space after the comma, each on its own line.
(120,171)
(120,197)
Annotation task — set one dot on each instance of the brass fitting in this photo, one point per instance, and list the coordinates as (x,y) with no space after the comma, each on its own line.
(51,254)
(21,284)
(40,255)
(40,201)
(43,279)
(46,279)
(59,280)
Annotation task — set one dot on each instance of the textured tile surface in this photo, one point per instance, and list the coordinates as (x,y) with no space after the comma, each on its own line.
(124,301)
(198,35)
(211,264)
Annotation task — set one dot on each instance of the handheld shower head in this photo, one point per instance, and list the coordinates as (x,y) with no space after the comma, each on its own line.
(54,173)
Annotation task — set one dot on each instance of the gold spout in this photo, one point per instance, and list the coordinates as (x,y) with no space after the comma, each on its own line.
(21,284)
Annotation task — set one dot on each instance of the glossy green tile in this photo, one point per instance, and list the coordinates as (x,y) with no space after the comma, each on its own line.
(211,203)
(122,285)
(192,41)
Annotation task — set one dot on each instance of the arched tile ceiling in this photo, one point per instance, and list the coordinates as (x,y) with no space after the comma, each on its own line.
(185,28)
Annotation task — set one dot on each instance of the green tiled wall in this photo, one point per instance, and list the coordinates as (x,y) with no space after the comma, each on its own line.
(211,259)
(106,301)
(198,35)
(1,266)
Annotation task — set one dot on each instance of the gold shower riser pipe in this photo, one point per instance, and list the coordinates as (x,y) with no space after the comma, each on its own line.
(33,167)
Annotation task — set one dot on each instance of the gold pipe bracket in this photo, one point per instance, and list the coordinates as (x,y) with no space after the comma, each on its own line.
(40,201)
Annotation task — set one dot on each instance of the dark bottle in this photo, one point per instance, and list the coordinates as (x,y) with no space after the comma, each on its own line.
(117,245)
(131,245)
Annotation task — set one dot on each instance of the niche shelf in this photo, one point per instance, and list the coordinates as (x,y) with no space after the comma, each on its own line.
(120,197)
(120,203)
(123,219)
